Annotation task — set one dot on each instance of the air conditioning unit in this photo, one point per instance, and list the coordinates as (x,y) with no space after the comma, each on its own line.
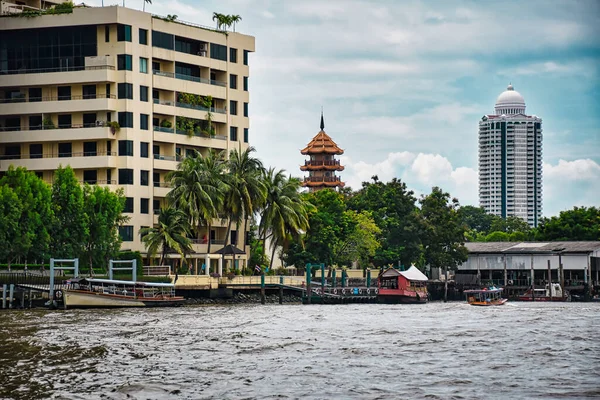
(203,47)
(202,53)
(100,123)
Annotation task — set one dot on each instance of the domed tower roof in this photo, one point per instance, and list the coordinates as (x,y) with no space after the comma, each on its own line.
(510,102)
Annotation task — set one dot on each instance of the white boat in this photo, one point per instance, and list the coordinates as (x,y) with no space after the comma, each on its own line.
(104,293)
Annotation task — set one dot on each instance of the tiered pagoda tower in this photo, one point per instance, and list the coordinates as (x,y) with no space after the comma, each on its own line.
(322,164)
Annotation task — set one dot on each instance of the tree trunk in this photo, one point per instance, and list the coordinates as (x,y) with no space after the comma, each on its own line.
(208,236)
(162,256)
(446,284)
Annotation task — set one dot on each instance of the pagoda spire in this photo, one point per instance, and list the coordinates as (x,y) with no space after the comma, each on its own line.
(322,122)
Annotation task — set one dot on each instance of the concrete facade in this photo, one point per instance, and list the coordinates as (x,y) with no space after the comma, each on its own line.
(103,64)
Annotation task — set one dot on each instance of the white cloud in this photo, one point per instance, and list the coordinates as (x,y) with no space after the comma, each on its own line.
(570,183)
(578,170)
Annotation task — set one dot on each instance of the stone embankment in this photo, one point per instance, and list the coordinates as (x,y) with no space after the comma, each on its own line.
(246,298)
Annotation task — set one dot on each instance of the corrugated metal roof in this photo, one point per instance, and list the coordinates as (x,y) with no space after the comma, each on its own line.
(533,247)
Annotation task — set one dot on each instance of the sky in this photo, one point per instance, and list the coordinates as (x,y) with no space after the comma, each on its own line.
(403,85)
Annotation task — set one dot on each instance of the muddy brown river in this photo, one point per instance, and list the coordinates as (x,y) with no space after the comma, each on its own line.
(432,351)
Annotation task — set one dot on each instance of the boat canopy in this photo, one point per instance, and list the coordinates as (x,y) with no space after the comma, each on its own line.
(495,290)
(413,274)
(127,283)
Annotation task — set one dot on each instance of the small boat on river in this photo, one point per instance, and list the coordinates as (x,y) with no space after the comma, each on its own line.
(104,293)
(485,297)
(555,293)
(408,286)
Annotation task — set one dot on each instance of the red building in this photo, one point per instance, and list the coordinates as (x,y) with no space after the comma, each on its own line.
(322,164)
(397,286)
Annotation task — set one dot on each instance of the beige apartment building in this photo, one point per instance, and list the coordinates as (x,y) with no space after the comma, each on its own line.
(64,79)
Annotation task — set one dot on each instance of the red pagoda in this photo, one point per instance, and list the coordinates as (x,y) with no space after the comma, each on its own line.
(322,164)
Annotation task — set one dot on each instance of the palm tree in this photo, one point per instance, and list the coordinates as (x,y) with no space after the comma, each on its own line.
(220,18)
(285,212)
(198,188)
(146,1)
(247,190)
(171,233)
(234,19)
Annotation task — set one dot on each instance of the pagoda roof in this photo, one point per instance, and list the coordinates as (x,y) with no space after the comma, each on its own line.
(320,144)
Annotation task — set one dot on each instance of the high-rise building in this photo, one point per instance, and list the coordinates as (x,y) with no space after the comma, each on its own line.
(510,160)
(66,79)
(322,164)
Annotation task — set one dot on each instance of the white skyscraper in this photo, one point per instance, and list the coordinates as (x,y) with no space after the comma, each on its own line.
(510,160)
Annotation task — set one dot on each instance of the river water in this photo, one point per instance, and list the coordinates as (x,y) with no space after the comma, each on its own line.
(437,350)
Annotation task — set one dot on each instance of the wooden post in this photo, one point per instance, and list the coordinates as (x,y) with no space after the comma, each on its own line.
(532,280)
(281,290)
(11,294)
(588,293)
(549,280)
(561,273)
(445,284)
(30,298)
(505,272)
(4,289)
(333,278)
(308,282)
(478,270)
(262,288)
(23,299)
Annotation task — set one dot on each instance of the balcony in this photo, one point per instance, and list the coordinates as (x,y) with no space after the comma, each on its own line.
(189,84)
(51,161)
(330,165)
(168,135)
(56,76)
(161,189)
(73,132)
(47,105)
(168,163)
(189,78)
(323,181)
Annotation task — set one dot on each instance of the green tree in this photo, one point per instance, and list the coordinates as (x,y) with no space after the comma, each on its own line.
(170,234)
(235,19)
(509,225)
(284,213)
(394,211)
(70,229)
(35,197)
(104,214)
(198,189)
(476,218)
(444,232)
(11,210)
(362,243)
(497,236)
(580,223)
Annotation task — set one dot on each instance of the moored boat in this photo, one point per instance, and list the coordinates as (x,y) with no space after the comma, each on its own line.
(485,297)
(397,286)
(104,293)
(554,293)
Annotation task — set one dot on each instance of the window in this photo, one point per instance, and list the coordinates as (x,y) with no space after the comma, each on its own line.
(144,65)
(156,150)
(90,176)
(155,66)
(233,237)
(144,149)
(35,122)
(233,107)
(89,120)
(233,133)
(64,121)
(126,233)
(126,147)
(144,206)
(162,40)
(125,119)
(125,91)
(156,206)
(65,150)
(232,55)
(107,33)
(156,179)
(144,122)
(218,52)
(128,205)
(143,93)
(90,149)
(190,46)
(124,62)
(124,33)
(89,91)
(144,176)
(143,36)
(12,152)
(246,83)
(35,94)
(109,148)
(64,93)
(232,81)
(109,177)
(246,57)
(35,151)
(125,176)
(108,90)
(245,135)
(245,109)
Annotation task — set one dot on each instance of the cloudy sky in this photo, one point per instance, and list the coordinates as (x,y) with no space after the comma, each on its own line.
(404,83)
